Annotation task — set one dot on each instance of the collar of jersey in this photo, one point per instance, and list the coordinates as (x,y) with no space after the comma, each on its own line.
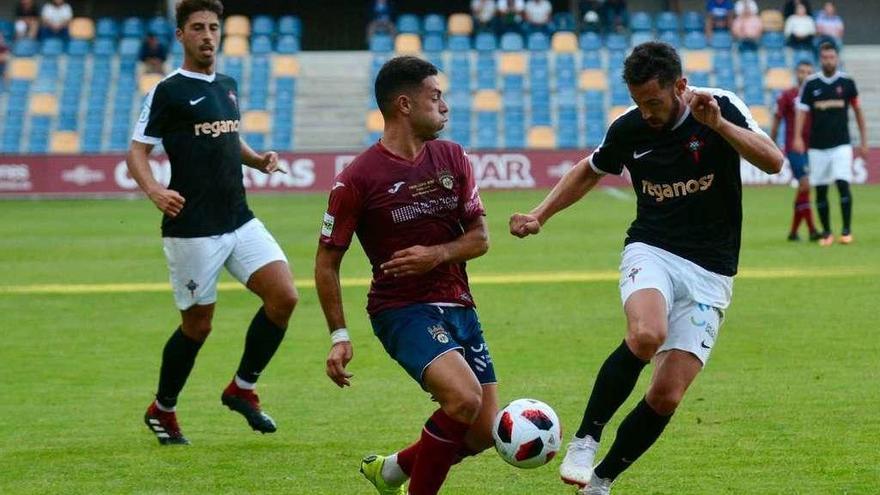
(384,150)
(829,80)
(197,75)
(684,116)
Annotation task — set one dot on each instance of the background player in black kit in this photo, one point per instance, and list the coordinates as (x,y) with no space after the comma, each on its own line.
(682,147)
(207,224)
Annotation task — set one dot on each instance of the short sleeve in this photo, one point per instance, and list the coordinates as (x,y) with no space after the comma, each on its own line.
(470,203)
(341,218)
(151,124)
(735,111)
(853,96)
(609,157)
(805,98)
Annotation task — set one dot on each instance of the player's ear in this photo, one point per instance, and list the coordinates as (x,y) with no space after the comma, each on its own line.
(681,86)
(178,33)
(404,103)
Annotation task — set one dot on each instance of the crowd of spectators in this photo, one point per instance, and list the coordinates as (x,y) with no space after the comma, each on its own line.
(49,21)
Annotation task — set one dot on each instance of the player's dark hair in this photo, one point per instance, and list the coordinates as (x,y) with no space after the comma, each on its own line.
(186,8)
(652,60)
(827,45)
(398,75)
(803,62)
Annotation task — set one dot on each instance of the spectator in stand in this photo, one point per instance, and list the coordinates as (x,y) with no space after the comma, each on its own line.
(537,16)
(791,5)
(800,29)
(588,15)
(510,15)
(4,57)
(153,55)
(27,19)
(829,25)
(672,6)
(615,16)
(719,16)
(740,6)
(54,18)
(484,14)
(748,28)
(382,19)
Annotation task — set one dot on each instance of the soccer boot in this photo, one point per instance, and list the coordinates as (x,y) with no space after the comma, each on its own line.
(577,467)
(246,403)
(371,468)
(846,238)
(815,236)
(794,236)
(597,486)
(826,240)
(164,426)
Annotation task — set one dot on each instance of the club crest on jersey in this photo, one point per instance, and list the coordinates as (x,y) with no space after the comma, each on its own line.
(839,90)
(694,145)
(439,333)
(446,179)
(232,96)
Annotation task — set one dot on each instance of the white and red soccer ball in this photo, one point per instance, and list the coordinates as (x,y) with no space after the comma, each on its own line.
(527,433)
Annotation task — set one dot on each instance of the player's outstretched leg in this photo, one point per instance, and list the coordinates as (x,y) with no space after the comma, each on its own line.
(845,210)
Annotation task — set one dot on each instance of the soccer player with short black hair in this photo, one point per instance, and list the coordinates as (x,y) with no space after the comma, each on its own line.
(682,148)
(786,106)
(207,224)
(412,200)
(826,97)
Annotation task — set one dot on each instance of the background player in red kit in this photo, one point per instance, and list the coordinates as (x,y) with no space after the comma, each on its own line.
(786,106)
(414,205)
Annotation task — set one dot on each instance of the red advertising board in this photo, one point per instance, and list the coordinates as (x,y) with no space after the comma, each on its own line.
(107,175)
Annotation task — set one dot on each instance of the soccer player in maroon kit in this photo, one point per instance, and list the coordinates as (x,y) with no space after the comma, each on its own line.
(417,212)
(786,106)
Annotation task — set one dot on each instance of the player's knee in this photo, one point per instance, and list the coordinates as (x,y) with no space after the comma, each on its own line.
(464,406)
(664,400)
(197,330)
(645,337)
(280,306)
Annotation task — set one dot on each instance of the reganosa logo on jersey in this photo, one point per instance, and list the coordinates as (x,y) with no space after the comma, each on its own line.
(216,128)
(661,192)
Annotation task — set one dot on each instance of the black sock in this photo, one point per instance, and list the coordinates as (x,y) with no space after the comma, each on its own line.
(616,380)
(822,208)
(638,431)
(263,339)
(845,204)
(178,359)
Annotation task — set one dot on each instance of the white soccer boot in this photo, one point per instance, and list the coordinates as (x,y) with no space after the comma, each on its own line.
(597,486)
(577,467)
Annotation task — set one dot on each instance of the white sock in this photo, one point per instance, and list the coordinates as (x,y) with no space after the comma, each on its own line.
(243,384)
(163,408)
(391,472)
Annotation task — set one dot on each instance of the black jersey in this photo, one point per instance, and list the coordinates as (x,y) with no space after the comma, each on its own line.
(196,118)
(686,180)
(828,100)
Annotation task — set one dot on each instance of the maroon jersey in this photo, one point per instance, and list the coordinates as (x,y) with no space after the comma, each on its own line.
(392,204)
(786,105)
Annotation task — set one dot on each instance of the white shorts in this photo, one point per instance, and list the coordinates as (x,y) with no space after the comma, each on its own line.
(194,263)
(695,297)
(827,166)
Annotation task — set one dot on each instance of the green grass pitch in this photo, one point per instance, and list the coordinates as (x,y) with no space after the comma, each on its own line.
(788,404)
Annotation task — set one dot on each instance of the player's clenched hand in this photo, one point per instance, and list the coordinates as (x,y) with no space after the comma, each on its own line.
(168,201)
(797,145)
(269,163)
(705,109)
(523,225)
(414,260)
(340,355)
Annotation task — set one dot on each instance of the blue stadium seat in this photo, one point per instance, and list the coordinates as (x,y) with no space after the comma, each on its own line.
(8,29)
(671,37)
(722,60)
(261,45)
(432,43)
(458,43)
(291,25)
(511,42)
(595,133)
(695,40)
(287,45)
(721,40)
(564,21)
(487,130)
(725,80)
(78,48)
(435,23)
(538,41)
(804,55)
(773,40)
(129,47)
(52,47)
(381,43)
(776,59)
(263,25)
(699,79)
(594,99)
(640,21)
(25,48)
(748,59)
(485,42)
(106,27)
(592,60)
(409,23)
(590,41)
(161,27)
(640,37)
(667,21)
(693,21)
(133,27)
(615,41)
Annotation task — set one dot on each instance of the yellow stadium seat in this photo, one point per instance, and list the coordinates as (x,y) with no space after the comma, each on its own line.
(375,121)
(698,61)
(64,142)
(148,81)
(542,137)
(236,46)
(487,100)
(44,104)
(762,115)
(408,44)
(461,24)
(82,28)
(512,63)
(593,79)
(564,42)
(285,66)
(23,68)
(237,25)
(772,20)
(256,121)
(615,112)
(778,79)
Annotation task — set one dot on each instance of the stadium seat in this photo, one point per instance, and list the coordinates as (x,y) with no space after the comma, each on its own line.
(591,60)
(263,25)
(487,100)
(695,40)
(290,24)
(129,48)
(698,61)
(52,47)
(133,27)
(381,43)
(667,22)
(512,63)
(762,115)
(261,45)
(721,40)
(25,48)
(106,27)
(409,24)
(615,41)
(698,79)
(375,121)
(564,21)
(538,42)
(461,24)
(44,104)
(772,20)
(235,46)
(286,66)
(671,37)
(773,40)
(458,43)
(407,44)
(593,80)
(22,68)
(590,42)
(161,27)
(64,142)
(287,45)
(433,43)
(564,42)
(640,37)
(616,111)
(237,25)
(435,23)
(511,42)
(82,28)
(541,137)
(147,82)
(256,121)
(7,28)
(104,47)
(640,21)
(692,21)
(485,42)
(776,59)
(78,48)
(778,79)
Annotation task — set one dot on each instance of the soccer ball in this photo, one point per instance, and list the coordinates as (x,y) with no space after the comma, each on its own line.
(527,433)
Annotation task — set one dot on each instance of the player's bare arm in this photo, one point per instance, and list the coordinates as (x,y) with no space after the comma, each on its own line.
(573,186)
(756,148)
(863,130)
(264,162)
(417,260)
(774,128)
(800,118)
(168,201)
(329,289)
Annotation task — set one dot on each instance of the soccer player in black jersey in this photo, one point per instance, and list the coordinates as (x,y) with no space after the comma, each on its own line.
(827,97)
(682,148)
(207,224)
